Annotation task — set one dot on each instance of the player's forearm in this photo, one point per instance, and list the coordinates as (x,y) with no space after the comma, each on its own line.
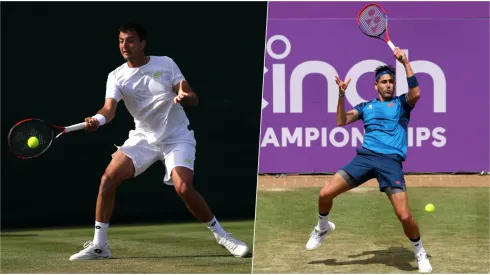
(408,69)
(414,89)
(341,117)
(108,114)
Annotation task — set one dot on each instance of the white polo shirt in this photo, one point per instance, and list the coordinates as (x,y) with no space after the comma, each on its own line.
(147,92)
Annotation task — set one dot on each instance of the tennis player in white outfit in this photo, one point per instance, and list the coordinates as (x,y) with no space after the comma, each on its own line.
(153,90)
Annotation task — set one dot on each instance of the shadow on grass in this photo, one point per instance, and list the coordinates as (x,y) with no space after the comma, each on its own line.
(397,257)
(180,256)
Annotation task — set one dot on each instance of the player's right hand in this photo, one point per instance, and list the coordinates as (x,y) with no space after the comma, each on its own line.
(400,55)
(91,124)
(342,84)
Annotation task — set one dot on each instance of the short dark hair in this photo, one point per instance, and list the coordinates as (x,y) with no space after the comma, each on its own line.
(134,27)
(384,68)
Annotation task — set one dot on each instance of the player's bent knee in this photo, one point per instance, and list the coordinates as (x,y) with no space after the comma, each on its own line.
(326,193)
(107,185)
(183,187)
(120,169)
(182,178)
(339,183)
(405,218)
(114,177)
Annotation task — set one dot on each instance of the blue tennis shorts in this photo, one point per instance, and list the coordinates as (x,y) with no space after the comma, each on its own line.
(387,169)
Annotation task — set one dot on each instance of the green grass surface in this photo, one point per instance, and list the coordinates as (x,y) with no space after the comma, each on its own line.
(368,237)
(175,248)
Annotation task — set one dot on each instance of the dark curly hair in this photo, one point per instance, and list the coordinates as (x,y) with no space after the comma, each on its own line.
(384,68)
(134,27)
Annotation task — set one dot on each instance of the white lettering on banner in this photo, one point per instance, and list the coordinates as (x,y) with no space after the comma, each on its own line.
(340,137)
(344,137)
(270,137)
(296,137)
(357,136)
(306,68)
(311,134)
(423,133)
(439,139)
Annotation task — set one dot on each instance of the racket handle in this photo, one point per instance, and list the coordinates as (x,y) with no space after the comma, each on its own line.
(392,46)
(75,127)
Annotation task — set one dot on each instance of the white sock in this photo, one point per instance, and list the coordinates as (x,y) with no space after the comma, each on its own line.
(100,236)
(322,222)
(216,228)
(417,246)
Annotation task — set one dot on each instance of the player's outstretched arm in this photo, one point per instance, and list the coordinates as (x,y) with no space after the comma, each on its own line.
(348,118)
(103,116)
(185,95)
(413,94)
(344,118)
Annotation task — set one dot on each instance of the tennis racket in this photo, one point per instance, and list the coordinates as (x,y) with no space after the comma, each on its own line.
(22,131)
(373,22)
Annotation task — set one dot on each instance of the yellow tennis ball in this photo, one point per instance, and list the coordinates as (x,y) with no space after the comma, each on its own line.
(33,142)
(430,208)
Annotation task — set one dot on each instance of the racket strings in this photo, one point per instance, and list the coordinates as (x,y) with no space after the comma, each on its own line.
(20,134)
(373,21)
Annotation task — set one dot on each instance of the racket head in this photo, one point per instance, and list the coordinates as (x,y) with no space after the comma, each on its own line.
(20,133)
(373,21)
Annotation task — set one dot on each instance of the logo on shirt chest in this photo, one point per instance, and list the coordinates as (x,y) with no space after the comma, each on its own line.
(161,75)
(381,110)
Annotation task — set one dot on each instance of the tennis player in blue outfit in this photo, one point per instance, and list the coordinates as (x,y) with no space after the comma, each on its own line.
(383,150)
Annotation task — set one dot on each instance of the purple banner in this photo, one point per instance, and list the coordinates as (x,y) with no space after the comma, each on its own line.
(310,43)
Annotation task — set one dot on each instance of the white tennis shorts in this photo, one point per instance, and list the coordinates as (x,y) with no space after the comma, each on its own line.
(144,154)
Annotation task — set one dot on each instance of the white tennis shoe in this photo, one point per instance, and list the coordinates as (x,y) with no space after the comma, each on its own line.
(423,262)
(92,251)
(237,248)
(317,236)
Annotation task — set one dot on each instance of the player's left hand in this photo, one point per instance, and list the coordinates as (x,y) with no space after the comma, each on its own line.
(400,55)
(180,95)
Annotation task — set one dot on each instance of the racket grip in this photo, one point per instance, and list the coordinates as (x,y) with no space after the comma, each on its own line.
(75,127)
(392,46)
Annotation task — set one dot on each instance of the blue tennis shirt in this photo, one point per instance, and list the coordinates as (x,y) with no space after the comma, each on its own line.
(385,125)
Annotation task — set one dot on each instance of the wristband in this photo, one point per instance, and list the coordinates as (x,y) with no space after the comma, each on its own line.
(100,118)
(412,82)
(341,94)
